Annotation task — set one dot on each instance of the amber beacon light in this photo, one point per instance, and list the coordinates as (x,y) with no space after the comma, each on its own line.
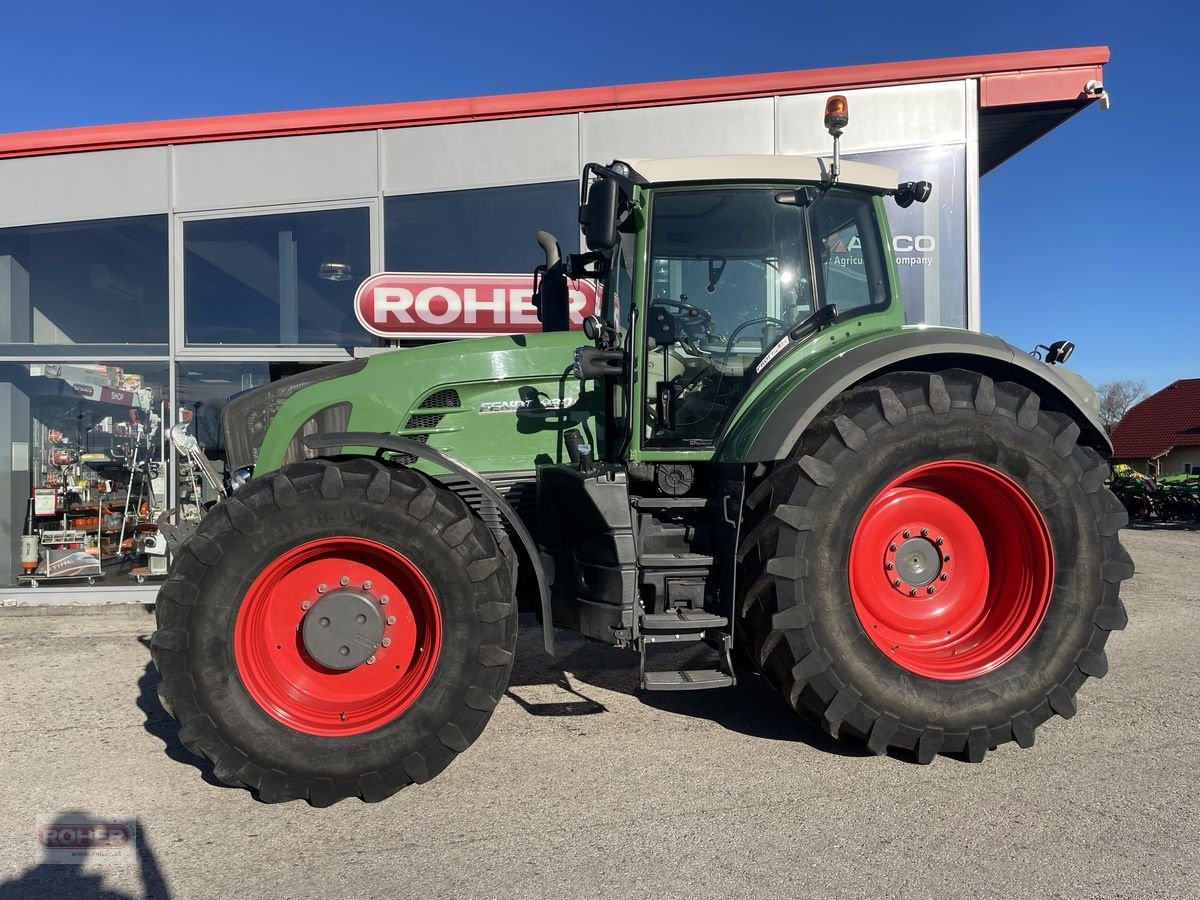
(837,114)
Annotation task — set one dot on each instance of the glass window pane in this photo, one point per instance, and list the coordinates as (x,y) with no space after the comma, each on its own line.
(486,230)
(279,279)
(85,283)
(727,276)
(84,482)
(929,240)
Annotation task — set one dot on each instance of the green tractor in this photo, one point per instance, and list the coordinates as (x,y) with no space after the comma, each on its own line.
(905,529)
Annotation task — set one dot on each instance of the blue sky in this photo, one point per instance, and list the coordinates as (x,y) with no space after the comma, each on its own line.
(1086,235)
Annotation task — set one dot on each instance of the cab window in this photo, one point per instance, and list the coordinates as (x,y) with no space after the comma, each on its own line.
(729,275)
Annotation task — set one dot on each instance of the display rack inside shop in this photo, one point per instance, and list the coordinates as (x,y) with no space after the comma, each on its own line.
(98,476)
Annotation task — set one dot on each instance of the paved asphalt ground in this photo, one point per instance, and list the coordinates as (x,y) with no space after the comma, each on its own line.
(582,788)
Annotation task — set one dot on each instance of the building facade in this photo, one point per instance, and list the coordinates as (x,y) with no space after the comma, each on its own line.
(149,272)
(1161,434)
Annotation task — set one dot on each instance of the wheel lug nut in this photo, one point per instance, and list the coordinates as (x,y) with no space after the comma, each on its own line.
(907,533)
(892,547)
(366,585)
(370,660)
(890,566)
(924,532)
(929,590)
(896,583)
(391,620)
(321,589)
(940,541)
(386,642)
(383,599)
(946,558)
(306,605)
(344,580)
(945,577)
(912,592)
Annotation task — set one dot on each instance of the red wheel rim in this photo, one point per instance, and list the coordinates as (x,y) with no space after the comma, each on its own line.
(951,570)
(286,680)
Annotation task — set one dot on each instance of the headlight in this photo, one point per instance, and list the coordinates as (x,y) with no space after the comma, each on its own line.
(240,477)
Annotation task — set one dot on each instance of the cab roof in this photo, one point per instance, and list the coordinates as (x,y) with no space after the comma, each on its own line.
(769,168)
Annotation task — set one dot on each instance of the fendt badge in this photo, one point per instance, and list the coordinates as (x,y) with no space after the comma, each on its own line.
(534,405)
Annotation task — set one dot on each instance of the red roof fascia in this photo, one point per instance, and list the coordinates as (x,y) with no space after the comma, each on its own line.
(1063,68)
(1169,418)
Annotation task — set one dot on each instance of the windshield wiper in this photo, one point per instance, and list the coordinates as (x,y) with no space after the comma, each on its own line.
(819,320)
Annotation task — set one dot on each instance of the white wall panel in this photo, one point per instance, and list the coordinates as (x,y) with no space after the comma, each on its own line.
(276,170)
(701,129)
(80,186)
(480,154)
(880,119)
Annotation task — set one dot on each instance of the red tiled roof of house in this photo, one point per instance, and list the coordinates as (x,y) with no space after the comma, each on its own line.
(1169,418)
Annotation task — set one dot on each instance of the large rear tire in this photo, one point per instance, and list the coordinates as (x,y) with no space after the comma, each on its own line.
(335,629)
(936,569)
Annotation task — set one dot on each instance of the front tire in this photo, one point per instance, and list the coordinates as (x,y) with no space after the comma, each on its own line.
(335,629)
(936,569)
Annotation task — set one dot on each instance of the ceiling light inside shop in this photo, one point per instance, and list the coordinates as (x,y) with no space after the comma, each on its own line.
(332,270)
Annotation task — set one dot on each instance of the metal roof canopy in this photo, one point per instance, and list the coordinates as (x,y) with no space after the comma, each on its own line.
(1022,96)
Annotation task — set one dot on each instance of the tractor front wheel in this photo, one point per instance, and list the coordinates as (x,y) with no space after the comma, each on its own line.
(936,568)
(335,629)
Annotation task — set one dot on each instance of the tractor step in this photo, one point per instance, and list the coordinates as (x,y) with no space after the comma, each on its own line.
(676,561)
(681,620)
(669,502)
(686,680)
(685,625)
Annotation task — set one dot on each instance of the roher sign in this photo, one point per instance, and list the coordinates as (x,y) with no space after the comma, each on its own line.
(424,305)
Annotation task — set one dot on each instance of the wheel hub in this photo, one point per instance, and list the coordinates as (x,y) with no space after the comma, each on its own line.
(918,557)
(918,562)
(343,629)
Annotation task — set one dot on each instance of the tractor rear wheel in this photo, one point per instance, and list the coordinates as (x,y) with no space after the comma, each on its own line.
(936,568)
(335,629)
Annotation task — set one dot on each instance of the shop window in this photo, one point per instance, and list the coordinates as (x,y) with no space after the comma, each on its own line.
(484,230)
(85,283)
(279,279)
(82,478)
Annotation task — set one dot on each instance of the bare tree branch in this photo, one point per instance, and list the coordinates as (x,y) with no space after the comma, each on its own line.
(1116,398)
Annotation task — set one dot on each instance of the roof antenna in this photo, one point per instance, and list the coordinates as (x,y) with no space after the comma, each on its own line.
(837,117)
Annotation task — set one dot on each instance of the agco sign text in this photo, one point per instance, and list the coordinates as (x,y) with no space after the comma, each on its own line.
(414,305)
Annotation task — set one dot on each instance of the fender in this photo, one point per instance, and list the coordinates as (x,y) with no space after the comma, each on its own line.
(922,350)
(382,441)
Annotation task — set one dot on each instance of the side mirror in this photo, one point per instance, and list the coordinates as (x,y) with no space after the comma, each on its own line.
(598,216)
(912,192)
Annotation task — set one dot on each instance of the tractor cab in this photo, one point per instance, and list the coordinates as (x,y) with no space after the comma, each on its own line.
(715,266)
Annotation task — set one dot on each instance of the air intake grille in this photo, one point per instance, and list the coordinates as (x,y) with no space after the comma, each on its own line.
(425,421)
(439,400)
(407,459)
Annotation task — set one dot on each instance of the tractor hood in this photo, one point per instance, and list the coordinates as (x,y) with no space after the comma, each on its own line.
(497,404)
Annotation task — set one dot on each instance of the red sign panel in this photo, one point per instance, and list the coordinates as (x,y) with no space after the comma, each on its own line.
(415,305)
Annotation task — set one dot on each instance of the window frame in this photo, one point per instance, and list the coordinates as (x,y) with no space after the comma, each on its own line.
(86,352)
(266,351)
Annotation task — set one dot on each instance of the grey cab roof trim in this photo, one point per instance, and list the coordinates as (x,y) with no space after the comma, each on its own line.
(760,167)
